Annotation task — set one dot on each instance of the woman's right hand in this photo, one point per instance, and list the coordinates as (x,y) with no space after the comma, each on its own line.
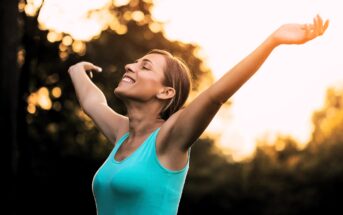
(84,66)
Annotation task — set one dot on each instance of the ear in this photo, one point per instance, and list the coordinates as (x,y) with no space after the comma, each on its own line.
(166,93)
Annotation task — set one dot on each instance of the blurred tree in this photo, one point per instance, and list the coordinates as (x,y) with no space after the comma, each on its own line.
(327,122)
(323,162)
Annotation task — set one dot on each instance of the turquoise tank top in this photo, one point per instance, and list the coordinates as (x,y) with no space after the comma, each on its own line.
(139,184)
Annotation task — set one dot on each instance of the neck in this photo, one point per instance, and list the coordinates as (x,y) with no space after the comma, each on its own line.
(144,118)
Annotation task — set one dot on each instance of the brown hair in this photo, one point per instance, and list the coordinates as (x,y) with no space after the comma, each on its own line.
(177,76)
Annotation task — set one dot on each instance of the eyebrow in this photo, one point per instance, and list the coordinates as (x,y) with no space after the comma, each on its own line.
(145,60)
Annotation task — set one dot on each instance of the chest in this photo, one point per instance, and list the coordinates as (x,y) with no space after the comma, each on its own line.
(128,148)
(123,179)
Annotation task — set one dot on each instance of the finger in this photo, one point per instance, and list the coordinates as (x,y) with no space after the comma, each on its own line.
(87,65)
(98,69)
(320,25)
(320,21)
(317,27)
(90,66)
(326,25)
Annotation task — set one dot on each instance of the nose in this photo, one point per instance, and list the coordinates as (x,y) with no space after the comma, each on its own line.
(129,67)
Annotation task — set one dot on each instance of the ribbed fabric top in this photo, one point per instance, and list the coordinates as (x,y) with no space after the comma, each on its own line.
(139,184)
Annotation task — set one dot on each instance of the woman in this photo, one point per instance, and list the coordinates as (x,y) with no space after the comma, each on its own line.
(146,170)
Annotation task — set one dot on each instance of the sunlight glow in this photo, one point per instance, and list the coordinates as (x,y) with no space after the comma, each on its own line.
(56,92)
(79,21)
(79,47)
(54,36)
(67,40)
(39,98)
(31,7)
(119,3)
(74,17)
(44,99)
(138,16)
(155,27)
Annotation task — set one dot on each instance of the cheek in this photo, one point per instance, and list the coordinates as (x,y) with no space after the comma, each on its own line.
(150,81)
(149,87)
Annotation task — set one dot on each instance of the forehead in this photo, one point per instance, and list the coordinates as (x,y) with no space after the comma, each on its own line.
(158,61)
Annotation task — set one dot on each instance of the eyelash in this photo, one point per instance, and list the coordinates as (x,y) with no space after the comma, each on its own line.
(143,67)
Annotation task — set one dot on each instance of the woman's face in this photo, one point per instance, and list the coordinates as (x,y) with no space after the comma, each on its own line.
(142,79)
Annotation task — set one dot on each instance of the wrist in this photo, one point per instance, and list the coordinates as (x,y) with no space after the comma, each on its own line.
(74,69)
(271,42)
(274,40)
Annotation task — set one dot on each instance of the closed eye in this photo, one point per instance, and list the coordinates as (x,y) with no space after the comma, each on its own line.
(145,66)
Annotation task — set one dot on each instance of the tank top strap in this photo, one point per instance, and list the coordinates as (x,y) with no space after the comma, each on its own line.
(152,155)
(118,143)
(154,134)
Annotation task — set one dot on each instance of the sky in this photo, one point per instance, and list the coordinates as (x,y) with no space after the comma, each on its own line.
(279,99)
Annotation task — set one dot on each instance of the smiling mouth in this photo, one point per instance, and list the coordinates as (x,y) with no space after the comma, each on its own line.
(128,79)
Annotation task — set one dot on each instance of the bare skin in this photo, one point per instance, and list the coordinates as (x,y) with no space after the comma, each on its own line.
(145,97)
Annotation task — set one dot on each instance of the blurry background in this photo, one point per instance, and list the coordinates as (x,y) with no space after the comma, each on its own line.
(276,147)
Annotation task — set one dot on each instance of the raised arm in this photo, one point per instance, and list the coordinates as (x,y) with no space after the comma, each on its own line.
(189,123)
(93,101)
(84,87)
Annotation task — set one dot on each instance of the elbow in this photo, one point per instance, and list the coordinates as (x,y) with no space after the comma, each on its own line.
(85,107)
(89,103)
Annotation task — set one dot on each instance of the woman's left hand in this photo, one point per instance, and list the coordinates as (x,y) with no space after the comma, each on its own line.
(300,33)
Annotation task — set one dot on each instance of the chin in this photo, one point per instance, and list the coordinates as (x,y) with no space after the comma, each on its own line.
(121,93)
(117,91)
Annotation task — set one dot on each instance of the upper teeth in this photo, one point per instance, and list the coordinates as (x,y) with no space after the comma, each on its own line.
(127,79)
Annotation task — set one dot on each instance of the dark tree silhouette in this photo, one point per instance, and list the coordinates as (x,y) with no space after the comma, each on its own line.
(9,77)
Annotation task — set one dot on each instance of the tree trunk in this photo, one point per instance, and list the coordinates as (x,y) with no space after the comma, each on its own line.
(9,77)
